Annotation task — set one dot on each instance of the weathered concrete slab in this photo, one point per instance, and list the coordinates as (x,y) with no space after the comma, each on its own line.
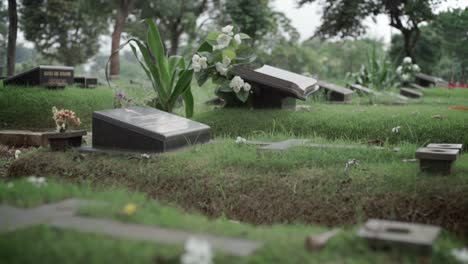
(437,154)
(62,215)
(290,143)
(362,89)
(336,93)
(411,93)
(383,234)
(445,146)
(23,138)
(237,247)
(416,86)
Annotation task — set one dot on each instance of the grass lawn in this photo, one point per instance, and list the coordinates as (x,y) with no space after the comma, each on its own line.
(283,243)
(278,198)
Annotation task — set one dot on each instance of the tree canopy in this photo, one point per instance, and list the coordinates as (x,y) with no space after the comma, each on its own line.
(64,30)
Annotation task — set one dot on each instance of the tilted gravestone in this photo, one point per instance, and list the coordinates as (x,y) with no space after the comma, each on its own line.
(47,76)
(145,129)
(276,88)
(383,234)
(362,89)
(426,80)
(411,93)
(336,93)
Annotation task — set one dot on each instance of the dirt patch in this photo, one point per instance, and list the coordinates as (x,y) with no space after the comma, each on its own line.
(302,196)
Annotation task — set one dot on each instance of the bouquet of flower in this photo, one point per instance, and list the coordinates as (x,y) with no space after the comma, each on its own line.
(218,55)
(121,100)
(63,117)
(407,70)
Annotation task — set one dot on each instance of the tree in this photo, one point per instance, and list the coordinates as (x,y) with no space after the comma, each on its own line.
(122,8)
(174,18)
(12,34)
(3,33)
(345,18)
(452,26)
(65,30)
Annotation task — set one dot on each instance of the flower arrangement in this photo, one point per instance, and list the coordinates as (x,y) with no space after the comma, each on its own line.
(63,117)
(407,70)
(218,55)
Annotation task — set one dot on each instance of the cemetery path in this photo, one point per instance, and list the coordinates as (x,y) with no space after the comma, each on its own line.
(62,215)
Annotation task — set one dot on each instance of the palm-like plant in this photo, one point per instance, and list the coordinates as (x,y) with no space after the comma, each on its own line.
(170,76)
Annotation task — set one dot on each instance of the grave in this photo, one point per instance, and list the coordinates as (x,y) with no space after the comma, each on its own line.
(426,80)
(291,143)
(46,76)
(416,86)
(382,234)
(145,129)
(336,93)
(85,82)
(276,88)
(446,146)
(361,89)
(411,93)
(437,160)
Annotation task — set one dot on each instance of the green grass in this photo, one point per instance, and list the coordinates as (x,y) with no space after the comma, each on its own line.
(283,243)
(304,185)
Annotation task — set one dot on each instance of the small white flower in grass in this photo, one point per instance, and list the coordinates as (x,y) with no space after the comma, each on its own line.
(460,254)
(238,39)
(396,129)
(223,41)
(228,30)
(197,251)
(37,181)
(221,69)
(237,83)
(145,156)
(247,87)
(241,140)
(407,60)
(351,163)
(17,153)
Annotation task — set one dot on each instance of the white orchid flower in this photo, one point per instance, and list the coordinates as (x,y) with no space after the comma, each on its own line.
(399,70)
(247,87)
(236,84)
(195,58)
(228,30)
(223,41)
(238,39)
(226,61)
(460,254)
(407,60)
(221,69)
(203,62)
(416,68)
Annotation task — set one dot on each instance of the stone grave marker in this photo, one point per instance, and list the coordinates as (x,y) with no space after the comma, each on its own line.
(336,93)
(437,160)
(426,80)
(145,129)
(361,89)
(416,86)
(46,76)
(410,93)
(383,234)
(85,82)
(446,146)
(276,88)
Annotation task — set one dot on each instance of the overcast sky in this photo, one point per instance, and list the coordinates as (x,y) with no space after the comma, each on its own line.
(307,18)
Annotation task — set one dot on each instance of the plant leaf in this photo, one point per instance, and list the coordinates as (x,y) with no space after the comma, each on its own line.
(188,102)
(181,86)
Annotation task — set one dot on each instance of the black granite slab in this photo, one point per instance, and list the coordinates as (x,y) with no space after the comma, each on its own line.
(426,80)
(145,129)
(46,76)
(276,88)
(336,93)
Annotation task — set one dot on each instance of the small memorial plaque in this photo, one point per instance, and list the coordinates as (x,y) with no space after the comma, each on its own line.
(47,76)
(276,88)
(145,129)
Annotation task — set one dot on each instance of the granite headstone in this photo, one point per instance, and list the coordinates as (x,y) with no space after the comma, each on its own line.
(145,129)
(47,76)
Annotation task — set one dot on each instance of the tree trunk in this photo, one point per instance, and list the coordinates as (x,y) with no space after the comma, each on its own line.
(174,43)
(12,33)
(122,13)
(411,38)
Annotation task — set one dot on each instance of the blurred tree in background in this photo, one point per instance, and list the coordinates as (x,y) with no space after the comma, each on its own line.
(66,31)
(3,32)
